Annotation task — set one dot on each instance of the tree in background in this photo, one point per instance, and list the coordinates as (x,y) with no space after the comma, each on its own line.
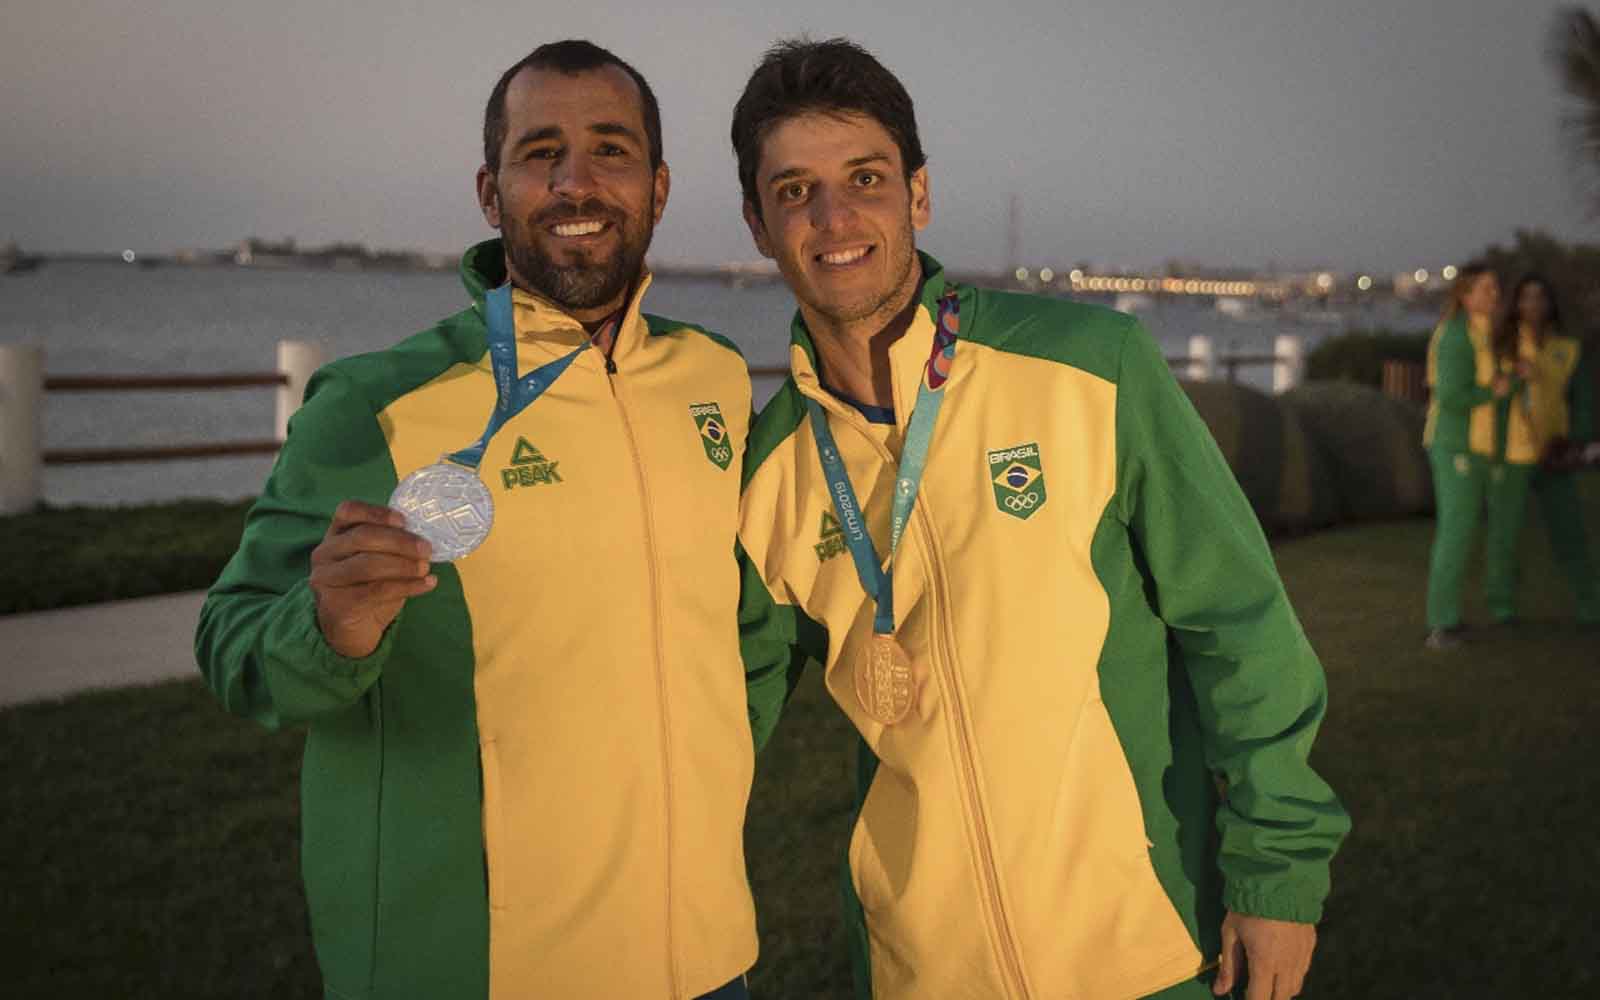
(1573,270)
(1573,49)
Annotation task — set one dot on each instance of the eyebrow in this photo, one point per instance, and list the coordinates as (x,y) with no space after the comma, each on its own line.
(615,128)
(554,132)
(794,172)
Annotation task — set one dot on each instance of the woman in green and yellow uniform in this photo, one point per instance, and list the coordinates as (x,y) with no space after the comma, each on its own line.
(1460,438)
(1550,410)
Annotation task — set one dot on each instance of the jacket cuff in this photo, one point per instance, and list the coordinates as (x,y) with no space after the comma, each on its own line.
(298,630)
(1300,905)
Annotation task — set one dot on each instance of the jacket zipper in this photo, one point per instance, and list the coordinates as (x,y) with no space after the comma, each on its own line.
(661,680)
(1011,964)
(1009,960)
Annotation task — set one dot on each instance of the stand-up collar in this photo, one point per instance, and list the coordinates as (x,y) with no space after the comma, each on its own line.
(908,356)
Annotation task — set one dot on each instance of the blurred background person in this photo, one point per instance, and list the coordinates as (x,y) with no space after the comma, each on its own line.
(1459,436)
(1539,430)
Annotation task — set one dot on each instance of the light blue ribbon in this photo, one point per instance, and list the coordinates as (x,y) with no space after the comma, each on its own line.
(876,579)
(512,394)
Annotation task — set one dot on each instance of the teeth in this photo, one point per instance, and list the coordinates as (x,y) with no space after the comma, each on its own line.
(844,256)
(578,228)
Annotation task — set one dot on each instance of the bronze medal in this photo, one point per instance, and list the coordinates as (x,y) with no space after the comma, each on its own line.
(884,682)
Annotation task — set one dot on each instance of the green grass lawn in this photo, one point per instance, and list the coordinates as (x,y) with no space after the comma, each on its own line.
(151,839)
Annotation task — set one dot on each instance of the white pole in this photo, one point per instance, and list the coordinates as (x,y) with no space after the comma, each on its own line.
(1202,359)
(21,393)
(1290,367)
(297,359)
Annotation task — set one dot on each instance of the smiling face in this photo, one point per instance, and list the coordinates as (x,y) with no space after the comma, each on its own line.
(575,198)
(838,214)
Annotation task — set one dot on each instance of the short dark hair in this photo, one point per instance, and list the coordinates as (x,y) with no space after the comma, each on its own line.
(571,57)
(798,76)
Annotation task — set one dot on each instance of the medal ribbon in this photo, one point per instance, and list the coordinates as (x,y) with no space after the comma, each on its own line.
(876,579)
(512,394)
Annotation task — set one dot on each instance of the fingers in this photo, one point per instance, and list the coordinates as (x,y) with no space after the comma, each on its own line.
(353,512)
(1228,966)
(1261,986)
(362,529)
(365,567)
(1296,984)
(358,603)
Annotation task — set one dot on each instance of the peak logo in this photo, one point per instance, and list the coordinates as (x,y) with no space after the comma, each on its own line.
(830,539)
(529,467)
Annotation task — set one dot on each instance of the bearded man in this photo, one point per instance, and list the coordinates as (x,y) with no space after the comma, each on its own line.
(493,572)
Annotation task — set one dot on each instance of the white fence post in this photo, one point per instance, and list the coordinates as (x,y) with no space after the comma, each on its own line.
(21,393)
(1202,359)
(1290,367)
(297,359)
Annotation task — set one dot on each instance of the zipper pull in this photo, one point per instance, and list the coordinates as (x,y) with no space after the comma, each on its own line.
(611,365)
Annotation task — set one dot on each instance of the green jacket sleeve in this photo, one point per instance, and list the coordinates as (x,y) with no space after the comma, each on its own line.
(1259,688)
(1580,399)
(258,643)
(1456,375)
(776,641)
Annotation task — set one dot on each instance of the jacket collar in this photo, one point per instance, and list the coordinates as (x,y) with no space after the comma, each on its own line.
(544,329)
(908,356)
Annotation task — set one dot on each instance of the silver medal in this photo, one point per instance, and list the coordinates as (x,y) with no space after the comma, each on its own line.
(448,505)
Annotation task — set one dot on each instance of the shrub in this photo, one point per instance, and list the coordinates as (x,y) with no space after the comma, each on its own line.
(1371,446)
(83,555)
(1275,461)
(1358,356)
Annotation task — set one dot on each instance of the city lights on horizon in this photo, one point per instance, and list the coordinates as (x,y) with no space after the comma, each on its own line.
(1313,284)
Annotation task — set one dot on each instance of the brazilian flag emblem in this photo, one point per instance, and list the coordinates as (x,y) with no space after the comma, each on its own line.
(1018,480)
(713,433)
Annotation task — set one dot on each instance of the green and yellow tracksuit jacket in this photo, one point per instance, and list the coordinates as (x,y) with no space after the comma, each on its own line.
(1556,402)
(1461,368)
(1103,634)
(536,785)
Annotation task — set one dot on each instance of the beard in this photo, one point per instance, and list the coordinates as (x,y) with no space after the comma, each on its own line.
(584,281)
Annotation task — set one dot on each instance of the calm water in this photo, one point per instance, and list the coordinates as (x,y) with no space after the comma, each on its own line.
(116,319)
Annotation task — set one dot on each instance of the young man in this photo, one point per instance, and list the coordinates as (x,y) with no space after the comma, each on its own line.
(526,769)
(1079,633)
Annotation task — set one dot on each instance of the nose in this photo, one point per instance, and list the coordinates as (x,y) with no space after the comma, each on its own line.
(571,178)
(830,210)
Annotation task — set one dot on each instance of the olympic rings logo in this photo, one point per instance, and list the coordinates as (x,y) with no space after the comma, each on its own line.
(1025,501)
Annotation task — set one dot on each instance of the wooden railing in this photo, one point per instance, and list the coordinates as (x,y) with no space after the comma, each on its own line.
(23,385)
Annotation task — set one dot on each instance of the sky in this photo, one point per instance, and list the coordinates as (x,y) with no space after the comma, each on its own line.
(1361,135)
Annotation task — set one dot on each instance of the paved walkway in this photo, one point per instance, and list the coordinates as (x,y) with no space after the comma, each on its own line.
(50,654)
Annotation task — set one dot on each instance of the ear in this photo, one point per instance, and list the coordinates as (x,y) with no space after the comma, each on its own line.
(663,187)
(758,229)
(921,204)
(489,196)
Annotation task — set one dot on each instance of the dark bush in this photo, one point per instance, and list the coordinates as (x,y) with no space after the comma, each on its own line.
(1358,356)
(1275,461)
(1371,445)
(84,555)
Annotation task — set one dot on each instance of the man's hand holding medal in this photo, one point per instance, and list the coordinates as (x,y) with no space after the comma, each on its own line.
(365,569)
